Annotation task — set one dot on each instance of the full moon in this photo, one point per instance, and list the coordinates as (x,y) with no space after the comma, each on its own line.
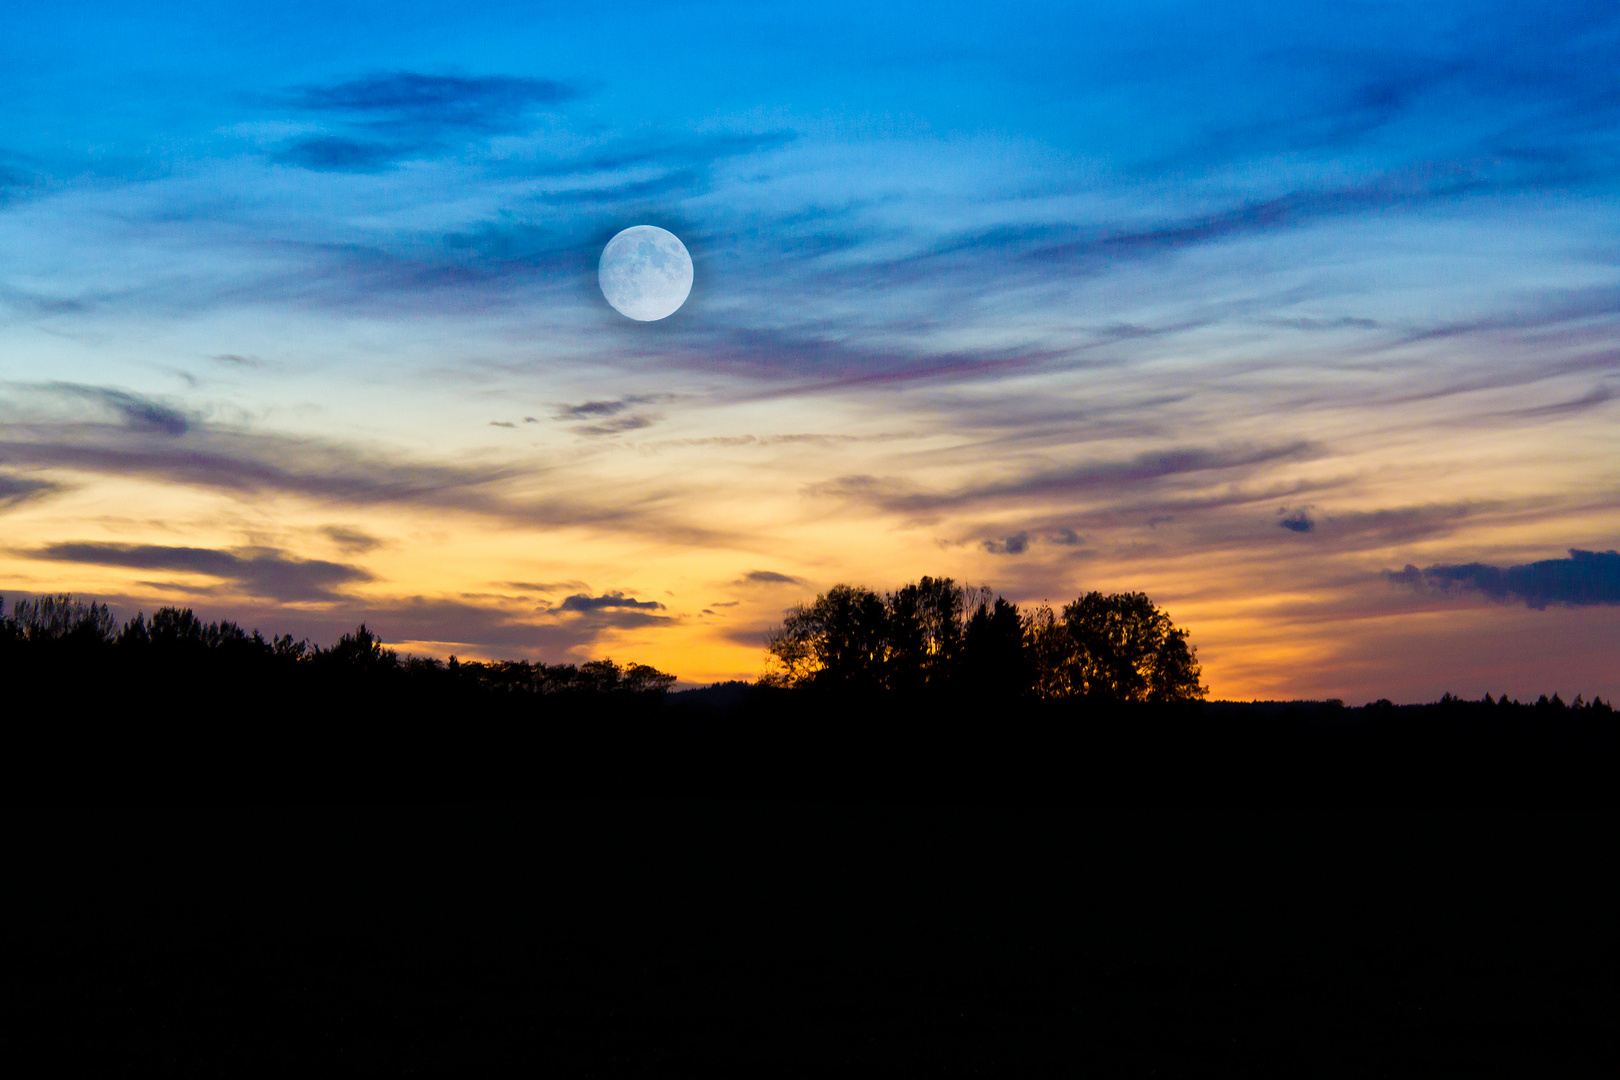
(645,273)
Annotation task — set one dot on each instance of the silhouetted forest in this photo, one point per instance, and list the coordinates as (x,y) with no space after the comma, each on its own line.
(236,848)
(930,693)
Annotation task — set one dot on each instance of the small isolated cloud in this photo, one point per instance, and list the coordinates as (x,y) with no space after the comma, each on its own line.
(1584,579)
(237,360)
(590,410)
(542,586)
(351,540)
(263,572)
(1085,479)
(767,577)
(610,611)
(334,153)
(501,423)
(16,490)
(1016,544)
(615,426)
(1297,520)
(1064,537)
(614,600)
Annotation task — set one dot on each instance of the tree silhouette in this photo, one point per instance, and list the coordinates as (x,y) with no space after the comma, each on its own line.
(1126,649)
(924,633)
(927,635)
(994,659)
(360,649)
(58,618)
(841,639)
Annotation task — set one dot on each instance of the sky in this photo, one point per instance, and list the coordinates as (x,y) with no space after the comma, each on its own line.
(1300,320)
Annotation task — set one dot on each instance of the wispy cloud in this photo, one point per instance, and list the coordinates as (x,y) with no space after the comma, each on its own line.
(767,577)
(16,490)
(264,572)
(350,539)
(403,114)
(246,463)
(139,412)
(1087,478)
(457,625)
(618,425)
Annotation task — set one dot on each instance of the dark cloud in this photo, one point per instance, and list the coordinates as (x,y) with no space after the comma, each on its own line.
(400,116)
(1069,245)
(463,626)
(502,423)
(1598,395)
(241,462)
(1367,92)
(1016,544)
(407,114)
(1038,250)
(543,586)
(1400,524)
(591,409)
(16,490)
(1585,578)
(15,181)
(767,577)
(1344,322)
(1064,537)
(335,153)
(139,413)
(1297,521)
(837,363)
(1084,479)
(614,600)
(18,174)
(263,572)
(435,102)
(351,540)
(1553,309)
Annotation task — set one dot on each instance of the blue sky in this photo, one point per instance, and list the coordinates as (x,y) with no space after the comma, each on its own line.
(1157,279)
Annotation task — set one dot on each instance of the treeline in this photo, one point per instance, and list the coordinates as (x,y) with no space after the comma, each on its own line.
(171,708)
(60,632)
(934,634)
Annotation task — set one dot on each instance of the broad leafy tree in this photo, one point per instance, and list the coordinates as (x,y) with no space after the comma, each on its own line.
(933,634)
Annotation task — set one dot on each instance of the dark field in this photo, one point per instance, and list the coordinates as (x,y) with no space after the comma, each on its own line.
(472,897)
(339,874)
(690,937)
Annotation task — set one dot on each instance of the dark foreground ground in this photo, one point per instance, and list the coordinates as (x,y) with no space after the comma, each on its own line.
(797,889)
